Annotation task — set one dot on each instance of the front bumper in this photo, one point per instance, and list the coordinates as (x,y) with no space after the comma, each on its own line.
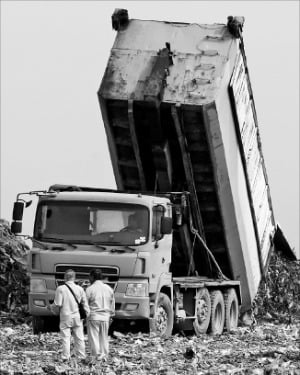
(127,307)
(131,307)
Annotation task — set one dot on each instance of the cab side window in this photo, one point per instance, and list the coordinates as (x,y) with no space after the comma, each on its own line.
(158,213)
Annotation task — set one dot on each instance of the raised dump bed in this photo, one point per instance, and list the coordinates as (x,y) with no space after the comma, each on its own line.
(179,115)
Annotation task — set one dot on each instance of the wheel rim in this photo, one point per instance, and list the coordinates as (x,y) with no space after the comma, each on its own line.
(202,311)
(161,320)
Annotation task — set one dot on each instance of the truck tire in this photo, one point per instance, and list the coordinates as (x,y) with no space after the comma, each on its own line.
(202,311)
(163,317)
(231,310)
(38,325)
(217,318)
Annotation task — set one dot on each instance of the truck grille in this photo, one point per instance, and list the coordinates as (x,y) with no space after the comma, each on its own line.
(110,274)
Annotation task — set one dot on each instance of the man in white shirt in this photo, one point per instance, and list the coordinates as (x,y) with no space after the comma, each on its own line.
(101,301)
(70,322)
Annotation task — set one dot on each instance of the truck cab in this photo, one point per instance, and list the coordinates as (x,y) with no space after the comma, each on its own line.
(127,236)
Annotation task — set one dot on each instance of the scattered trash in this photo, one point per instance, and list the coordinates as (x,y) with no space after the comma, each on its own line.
(189,353)
(278,296)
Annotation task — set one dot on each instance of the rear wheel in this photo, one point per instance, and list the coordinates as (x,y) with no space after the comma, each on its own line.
(231,310)
(202,311)
(162,321)
(217,318)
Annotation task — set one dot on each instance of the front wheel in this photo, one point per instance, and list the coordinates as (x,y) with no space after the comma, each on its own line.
(38,325)
(42,324)
(162,321)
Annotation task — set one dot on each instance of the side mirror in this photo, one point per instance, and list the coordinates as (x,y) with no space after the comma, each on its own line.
(16,227)
(18,210)
(166,225)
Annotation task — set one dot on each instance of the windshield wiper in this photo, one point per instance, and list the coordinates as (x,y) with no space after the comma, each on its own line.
(38,242)
(130,248)
(61,240)
(60,248)
(86,242)
(122,250)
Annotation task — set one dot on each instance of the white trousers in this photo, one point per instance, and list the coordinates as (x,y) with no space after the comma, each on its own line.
(98,337)
(74,327)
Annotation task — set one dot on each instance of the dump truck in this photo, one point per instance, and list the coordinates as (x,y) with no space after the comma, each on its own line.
(185,238)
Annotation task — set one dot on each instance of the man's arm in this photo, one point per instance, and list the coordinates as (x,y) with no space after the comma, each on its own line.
(85,303)
(58,299)
(88,294)
(112,306)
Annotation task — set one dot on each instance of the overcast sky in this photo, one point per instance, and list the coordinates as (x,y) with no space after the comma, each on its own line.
(53,57)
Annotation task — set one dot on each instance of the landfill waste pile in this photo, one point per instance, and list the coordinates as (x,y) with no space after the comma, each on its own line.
(14,281)
(278,297)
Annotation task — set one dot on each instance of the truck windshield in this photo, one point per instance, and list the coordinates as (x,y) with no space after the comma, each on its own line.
(92,222)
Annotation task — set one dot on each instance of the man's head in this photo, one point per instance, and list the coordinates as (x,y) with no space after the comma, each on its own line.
(95,274)
(70,275)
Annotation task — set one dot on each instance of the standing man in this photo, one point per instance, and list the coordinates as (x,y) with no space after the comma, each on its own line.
(70,322)
(101,301)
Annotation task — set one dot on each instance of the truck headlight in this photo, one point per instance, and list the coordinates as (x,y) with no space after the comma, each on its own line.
(38,286)
(137,290)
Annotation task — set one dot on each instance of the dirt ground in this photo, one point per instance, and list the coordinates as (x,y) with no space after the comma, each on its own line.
(266,348)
